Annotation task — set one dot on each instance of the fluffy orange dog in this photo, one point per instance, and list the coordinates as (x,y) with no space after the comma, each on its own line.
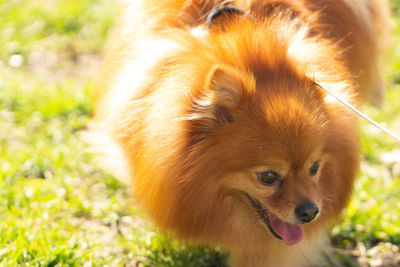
(229,139)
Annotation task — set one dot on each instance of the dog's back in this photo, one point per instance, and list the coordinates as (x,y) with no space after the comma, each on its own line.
(359,27)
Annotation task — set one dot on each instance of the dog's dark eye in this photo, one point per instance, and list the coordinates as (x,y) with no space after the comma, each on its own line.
(314,168)
(268,178)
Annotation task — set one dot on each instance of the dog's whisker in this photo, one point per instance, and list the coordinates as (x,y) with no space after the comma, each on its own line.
(328,199)
(324,212)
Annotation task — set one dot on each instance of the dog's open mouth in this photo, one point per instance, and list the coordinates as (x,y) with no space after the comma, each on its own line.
(290,233)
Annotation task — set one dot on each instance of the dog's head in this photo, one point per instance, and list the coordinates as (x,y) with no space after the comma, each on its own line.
(269,139)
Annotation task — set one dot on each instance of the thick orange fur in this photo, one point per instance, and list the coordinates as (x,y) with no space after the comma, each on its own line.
(197,112)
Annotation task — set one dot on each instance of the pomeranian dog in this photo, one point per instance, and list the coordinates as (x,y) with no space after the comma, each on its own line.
(229,138)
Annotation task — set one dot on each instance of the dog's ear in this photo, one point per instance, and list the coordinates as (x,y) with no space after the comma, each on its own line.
(225,90)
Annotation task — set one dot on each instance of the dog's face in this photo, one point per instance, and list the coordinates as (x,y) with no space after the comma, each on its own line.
(271,147)
(280,195)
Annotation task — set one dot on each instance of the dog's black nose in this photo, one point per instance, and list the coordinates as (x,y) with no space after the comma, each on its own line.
(306,212)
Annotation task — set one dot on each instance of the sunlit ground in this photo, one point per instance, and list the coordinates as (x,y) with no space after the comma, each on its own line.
(56,204)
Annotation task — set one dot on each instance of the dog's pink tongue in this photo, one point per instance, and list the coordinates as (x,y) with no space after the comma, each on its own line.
(290,233)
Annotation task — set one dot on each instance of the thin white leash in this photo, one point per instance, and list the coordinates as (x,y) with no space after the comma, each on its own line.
(366,117)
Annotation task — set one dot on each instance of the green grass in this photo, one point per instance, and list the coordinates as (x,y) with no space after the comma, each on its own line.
(58,208)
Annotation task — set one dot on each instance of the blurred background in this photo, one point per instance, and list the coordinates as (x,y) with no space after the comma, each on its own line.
(57,206)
